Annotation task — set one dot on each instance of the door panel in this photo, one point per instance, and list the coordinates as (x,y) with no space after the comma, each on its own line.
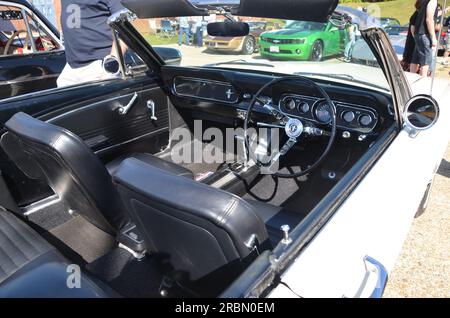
(104,129)
(92,112)
(29,73)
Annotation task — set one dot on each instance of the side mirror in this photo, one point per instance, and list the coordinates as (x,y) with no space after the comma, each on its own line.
(422,112)
(170,55)
(111,65)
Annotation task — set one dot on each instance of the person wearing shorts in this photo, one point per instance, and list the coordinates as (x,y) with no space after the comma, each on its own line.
(425,37)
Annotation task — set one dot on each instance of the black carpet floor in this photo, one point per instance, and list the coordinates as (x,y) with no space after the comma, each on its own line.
(51,216)
(84,238)
(128,276)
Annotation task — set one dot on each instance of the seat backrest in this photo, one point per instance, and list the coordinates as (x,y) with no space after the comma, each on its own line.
(72,170)
(203,232)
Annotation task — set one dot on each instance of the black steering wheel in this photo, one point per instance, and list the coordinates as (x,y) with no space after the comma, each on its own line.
(291,125)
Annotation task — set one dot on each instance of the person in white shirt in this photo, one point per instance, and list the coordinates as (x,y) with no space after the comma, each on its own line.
(184,29)
(199,31)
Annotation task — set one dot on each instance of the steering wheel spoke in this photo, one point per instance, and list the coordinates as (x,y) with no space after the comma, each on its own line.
(273,167)
(276,113)
(266,125)
(293,127)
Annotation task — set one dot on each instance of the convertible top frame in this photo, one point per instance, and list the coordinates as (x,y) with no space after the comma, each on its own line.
(307,10)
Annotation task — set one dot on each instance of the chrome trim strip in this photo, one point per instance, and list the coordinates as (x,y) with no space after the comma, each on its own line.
(28,79)
(30,34)
(174,87)
(374,267)
(223,181)
(39,205)
(73,111)
(132,140)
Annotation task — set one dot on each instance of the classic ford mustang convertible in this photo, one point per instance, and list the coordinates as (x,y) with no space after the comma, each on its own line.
(218,178)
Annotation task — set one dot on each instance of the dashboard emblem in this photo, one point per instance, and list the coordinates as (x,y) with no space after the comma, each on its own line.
(294,128)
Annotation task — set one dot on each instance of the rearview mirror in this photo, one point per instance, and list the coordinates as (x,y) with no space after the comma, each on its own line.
(228,29)
(422,112)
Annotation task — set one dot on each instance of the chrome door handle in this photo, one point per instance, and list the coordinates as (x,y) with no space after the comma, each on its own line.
(152,108)
(125,109)
(374,271)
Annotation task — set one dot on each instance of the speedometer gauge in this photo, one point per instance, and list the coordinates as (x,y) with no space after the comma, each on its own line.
(323,112)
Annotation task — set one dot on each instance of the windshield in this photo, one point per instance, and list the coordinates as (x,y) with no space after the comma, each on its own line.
(333,50)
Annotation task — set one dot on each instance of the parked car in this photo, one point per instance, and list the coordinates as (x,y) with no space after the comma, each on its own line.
(361,18)
(303,40)
(397,36)
(245,45)
(389,22)
(98,198)
(31,53)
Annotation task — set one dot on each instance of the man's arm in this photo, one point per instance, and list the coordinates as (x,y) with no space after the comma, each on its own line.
(413,30)
(431,9)
(115,6)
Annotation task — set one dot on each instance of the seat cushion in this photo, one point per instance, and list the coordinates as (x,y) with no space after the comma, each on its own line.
(31,267)
(203,231)
(274,217)
(19,245)
(153,161)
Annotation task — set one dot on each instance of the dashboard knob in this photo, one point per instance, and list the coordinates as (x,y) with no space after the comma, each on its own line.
(290,104)
(304,107)
(365,120)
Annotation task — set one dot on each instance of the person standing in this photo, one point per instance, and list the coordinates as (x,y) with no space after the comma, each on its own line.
(410,42)
(447,37)
(351,32)
(425,37)
(184,29)
(199,31)
(87,39)
(447,49)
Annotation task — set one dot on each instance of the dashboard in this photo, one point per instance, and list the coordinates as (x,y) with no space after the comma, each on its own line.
(348,116)
(226,94)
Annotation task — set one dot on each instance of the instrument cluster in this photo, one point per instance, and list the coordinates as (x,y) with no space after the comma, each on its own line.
(348,116)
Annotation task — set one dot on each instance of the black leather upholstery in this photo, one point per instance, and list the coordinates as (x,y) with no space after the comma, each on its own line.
(30,267)
(154,161)
(203,231)
(19,245)
(45,151)
(72,170)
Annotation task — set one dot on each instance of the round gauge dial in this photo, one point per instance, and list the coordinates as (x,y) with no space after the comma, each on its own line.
(303,107)
(365,120)
(290,104)
(323,113)
(348,116)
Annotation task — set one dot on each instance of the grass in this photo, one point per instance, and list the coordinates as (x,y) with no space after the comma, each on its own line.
(399,9)
(157,40)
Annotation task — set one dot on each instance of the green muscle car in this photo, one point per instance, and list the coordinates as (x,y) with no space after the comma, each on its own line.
(302,40)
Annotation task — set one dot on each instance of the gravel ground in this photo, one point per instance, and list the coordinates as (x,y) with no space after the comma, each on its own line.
(423,268)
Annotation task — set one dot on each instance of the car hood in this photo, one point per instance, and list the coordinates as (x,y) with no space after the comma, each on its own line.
(307,10)
(289,33)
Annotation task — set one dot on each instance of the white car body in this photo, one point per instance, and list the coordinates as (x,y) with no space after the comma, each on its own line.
(375,219)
